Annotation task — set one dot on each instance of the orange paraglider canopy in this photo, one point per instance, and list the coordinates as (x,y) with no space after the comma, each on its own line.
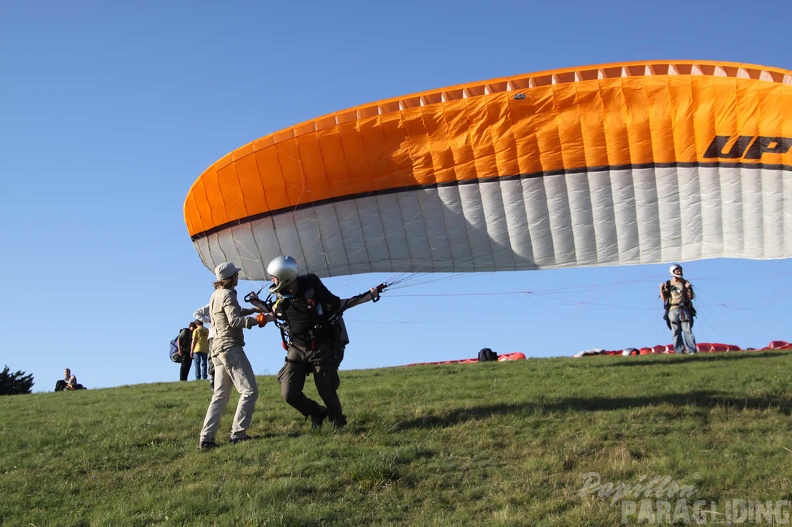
(265,175)
(570,167)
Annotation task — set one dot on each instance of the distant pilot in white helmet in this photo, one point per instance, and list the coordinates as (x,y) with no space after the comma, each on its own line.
(677,295)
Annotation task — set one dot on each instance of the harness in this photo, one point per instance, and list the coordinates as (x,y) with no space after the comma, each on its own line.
(685,302)
(312,321)
(313,318)
(311,311)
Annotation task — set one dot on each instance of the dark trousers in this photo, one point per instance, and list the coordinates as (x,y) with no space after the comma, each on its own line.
(184,372)
(292,380)
(63,386)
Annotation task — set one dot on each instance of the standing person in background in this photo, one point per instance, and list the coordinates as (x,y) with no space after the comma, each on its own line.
(232,367)
(678,295)
(184,342)
(200,350)
(202,314)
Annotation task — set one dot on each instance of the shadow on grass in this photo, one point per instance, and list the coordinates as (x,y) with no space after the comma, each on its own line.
(693,399)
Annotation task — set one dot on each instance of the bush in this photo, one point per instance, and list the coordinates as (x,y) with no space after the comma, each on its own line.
(15,383)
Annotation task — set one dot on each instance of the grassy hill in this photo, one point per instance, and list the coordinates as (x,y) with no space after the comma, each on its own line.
(506,444)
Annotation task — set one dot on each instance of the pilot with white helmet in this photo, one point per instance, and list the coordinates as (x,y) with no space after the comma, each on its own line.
(677,295)
(314,337)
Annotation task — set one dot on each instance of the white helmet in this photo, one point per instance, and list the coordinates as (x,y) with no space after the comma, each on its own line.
(284,268)
(674,268)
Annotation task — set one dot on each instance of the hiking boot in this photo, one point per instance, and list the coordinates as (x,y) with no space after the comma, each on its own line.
(338,422)
(207,445)
(235,440)
(318,418)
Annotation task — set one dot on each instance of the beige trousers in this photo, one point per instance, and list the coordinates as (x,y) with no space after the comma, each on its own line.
(232,370)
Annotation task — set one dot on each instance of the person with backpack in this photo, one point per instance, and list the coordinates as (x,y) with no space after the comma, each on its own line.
(314,337)
(184,342)
(677,295)
(232,367)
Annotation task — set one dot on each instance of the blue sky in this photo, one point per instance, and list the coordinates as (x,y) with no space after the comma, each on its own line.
(110,111)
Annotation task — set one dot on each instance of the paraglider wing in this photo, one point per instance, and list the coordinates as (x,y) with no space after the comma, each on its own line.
(618,164)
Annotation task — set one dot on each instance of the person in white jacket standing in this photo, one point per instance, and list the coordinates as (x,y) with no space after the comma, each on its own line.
(232,367)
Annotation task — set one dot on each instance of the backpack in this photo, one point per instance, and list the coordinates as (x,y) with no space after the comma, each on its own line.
(173,353)
(486,355)
(340,338)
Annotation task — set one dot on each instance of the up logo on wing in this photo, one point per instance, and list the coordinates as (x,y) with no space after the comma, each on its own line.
(747,146)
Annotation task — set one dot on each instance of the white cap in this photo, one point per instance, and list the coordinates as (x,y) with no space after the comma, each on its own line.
(226,270)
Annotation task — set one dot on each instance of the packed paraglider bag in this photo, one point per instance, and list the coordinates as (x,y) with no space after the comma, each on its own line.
(487,355)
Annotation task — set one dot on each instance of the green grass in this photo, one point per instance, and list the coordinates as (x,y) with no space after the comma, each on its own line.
(503,444)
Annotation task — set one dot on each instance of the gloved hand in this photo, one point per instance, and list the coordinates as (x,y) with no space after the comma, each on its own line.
(262,319)
(375,292)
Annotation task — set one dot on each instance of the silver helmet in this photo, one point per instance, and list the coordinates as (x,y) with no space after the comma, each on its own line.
(674,268)
(284,268)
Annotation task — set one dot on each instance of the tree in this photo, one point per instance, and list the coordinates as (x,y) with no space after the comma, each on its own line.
(15,383)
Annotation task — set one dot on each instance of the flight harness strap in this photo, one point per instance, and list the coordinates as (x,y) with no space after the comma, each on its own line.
(685,303)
